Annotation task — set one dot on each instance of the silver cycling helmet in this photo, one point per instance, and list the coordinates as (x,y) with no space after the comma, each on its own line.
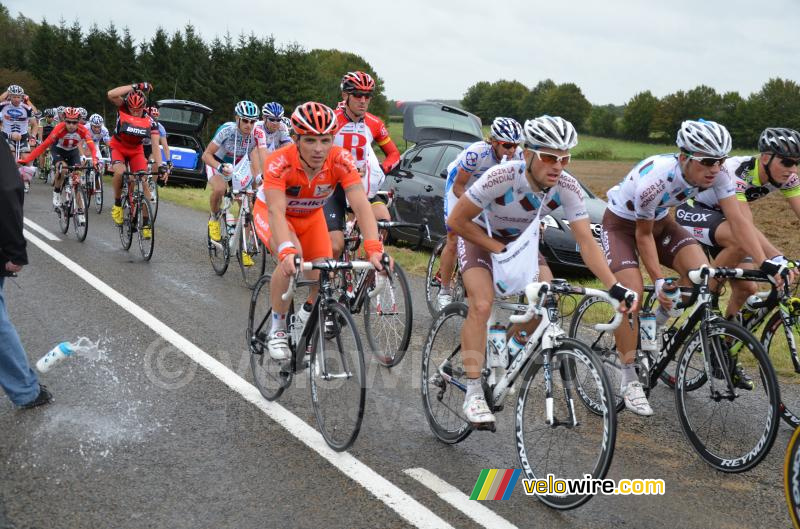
(550,131)
(506,129)
(781,141)
(706,137)
(96,119)
(15,90)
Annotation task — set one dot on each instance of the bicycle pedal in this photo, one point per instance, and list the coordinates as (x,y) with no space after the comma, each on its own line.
(485,426)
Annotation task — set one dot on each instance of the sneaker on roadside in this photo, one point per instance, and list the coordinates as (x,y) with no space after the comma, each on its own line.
(635,400)
(43,397)
(116,215)
(444,300)
(278,346)
(477,410)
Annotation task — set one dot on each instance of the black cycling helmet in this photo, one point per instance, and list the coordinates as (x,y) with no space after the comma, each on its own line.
(780,141)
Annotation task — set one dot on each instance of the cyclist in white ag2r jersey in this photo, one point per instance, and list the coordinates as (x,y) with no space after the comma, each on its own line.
(505,135)
(637,225)
(506,203)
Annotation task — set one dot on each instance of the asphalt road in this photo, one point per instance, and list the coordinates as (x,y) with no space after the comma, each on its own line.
(142,435)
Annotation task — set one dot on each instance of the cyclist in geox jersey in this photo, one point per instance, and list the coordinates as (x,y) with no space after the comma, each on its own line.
(505,201)
(288,213)
(505,136)
(357,129)
(276,132)
(637,225)
(234,143)
(774,169)
(133,125)
(17,113)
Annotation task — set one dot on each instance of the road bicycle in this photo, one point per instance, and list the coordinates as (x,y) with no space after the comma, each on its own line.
(136,215)
(389,315)
(238,236)
(74,201)
(328,344)
(555,431)
(93,182)
(434,281)
(791,478)
(730,427)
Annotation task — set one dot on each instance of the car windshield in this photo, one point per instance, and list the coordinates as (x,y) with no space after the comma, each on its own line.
(180,116)
(444,117)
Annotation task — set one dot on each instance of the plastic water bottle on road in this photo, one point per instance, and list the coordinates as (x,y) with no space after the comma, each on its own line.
(62,351)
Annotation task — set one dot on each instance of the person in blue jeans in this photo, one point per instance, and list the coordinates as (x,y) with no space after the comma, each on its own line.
(16,376)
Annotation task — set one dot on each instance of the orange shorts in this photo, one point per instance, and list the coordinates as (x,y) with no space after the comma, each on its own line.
(311,231)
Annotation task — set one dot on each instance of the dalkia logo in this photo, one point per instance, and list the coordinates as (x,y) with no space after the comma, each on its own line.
(495,484)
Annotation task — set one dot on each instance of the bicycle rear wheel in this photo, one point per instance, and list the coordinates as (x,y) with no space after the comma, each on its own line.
(255,249)
(388,318)
(731,430)
(781,341)
(219,251)
(580,441)
(144,220)
(80,217)
(337,377)
(433,279)
(443,377)
(126,228)
(270,377)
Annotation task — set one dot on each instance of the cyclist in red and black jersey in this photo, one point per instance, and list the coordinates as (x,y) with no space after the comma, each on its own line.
(132,127)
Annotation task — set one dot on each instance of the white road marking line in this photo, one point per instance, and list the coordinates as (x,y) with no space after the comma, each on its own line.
(474,509)
(32,225)
(395,498)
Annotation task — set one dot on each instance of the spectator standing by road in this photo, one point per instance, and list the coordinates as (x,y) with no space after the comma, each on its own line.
(16,376)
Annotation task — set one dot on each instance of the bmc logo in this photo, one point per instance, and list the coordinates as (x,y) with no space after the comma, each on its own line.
(136,130)
(693,217)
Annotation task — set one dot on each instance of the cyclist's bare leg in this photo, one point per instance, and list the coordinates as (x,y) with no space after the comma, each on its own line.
(279,282)
(381,212)
(337,243)
(116,181)
(740,291)
(218,188)
(625,336)
(480,291)
(447,263)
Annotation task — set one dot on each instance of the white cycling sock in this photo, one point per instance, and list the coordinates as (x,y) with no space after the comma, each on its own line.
(278,322)
(628,375)
(474,387)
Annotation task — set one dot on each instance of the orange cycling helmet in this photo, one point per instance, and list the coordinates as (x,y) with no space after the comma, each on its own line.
(357,82)
(135,100)
(72,113)
(313,119)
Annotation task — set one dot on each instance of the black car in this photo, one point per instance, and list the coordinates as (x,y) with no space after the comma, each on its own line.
(183,121)
(440,133)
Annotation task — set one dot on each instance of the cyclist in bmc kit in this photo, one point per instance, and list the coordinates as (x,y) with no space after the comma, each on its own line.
(505,200)
(132,127)
(357,129)
(637,225)
(774,169)
(233,144)
(505,135)
(288,214)
(276,132)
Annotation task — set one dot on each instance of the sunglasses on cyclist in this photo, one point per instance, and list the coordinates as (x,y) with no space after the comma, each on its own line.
(788,162)
(507,145)
(361,95)
(248,121)
(71,122)
(552,159)
(274,120)
(708,161)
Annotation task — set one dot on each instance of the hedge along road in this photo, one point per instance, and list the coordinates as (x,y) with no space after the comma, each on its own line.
(160,426)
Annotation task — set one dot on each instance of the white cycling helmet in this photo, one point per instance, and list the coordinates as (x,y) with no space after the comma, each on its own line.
(16,90)
(96,119)
(552,132)
(706,137)
(83,112)
(506,129)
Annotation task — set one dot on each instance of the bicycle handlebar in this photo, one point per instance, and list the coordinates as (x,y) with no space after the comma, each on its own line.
(327,264)
(536,293)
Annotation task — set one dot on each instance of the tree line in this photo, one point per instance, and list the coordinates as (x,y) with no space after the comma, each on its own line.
(644,117)
(61,64)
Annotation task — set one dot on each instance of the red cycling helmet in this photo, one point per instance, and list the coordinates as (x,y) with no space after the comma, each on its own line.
(154,113)
(135,100)
(72,113)
(313,119)
(357,82)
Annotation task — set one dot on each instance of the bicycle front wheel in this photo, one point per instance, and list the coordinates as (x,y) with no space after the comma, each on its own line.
(791,478)
(270,377)
(781,341)
(219,251)
(388,318)
(337,376)
(145,229)
(80,217)
(251,245)
(152,184)
(65,211)
(443,376)
(126,228)
(731,428)
(98,192)
(579,440)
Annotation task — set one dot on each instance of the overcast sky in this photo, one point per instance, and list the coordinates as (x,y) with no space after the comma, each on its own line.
(437,48)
